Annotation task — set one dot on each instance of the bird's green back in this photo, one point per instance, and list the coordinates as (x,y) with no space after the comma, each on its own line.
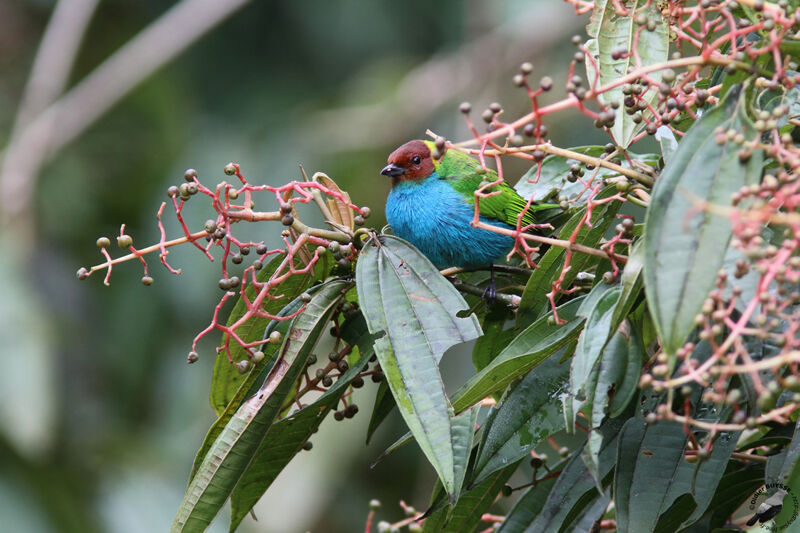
(465,175)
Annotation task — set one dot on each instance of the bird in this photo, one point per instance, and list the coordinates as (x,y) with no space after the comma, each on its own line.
(432,203)
(769,508)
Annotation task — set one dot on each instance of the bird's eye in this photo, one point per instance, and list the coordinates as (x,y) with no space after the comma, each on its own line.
(416,160)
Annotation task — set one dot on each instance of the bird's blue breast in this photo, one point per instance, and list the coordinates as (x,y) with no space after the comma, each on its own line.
(435,218)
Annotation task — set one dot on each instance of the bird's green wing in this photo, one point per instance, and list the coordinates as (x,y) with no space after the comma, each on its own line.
(465,176)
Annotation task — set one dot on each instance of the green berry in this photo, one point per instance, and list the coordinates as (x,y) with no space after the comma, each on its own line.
(103,242)
(172,192)
(258,357)
(210,226)
(230,169)
(192,357)
(243,366)
(125,241)
(190,174)
(275,337)
(147,281)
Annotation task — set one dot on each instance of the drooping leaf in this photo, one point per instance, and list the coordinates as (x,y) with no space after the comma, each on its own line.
(527,414)
(527,507)
(552,178)
(226,379)
(631,281)
(610,32)
(404,296)
(232,451)
(586,369)
(494,337)
(626,390)
(534,298)
(285,438)
(249,385)
(384,404)
(532,346)
(466,515)
(685,245)
(573,492)
(652,474)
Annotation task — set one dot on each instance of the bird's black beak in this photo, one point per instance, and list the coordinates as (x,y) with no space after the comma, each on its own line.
(393,171)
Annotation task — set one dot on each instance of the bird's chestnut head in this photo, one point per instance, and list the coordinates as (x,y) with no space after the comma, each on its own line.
(412,161)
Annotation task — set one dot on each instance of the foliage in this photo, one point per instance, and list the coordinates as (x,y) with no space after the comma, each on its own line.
(658,359)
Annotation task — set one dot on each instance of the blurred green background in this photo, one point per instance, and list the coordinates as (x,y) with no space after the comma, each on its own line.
(100,416)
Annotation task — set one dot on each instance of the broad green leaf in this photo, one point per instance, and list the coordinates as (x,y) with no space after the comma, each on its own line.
(226,379)
(231,453)
(634,359)
(610,388)
(609,32)
(251,383)
(534,298)
(527,507)
(527,414)
(575,490)
(552,178)
(404,296)
(285,438)
(684,245)
(586,366)
(384,404)
(735,487)
(494,337)
(532,346)
(652,474)
(631,281)
(466,515)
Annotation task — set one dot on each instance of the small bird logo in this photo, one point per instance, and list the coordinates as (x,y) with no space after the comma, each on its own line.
(769,508)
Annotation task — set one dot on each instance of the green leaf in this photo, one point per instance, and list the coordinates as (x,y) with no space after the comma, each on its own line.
(527,507)
(552,178)
(226,379)
(631,282)
(609,32)
(625,391)
(685,246)
(232,451)
(403,295)
(494,337)
(586,367)
(534,298)
(251,383)
(574,489)
(527,414)
(734,488)
(466,515)
(532,346)
(285,438)
(652,474)
(384,404)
